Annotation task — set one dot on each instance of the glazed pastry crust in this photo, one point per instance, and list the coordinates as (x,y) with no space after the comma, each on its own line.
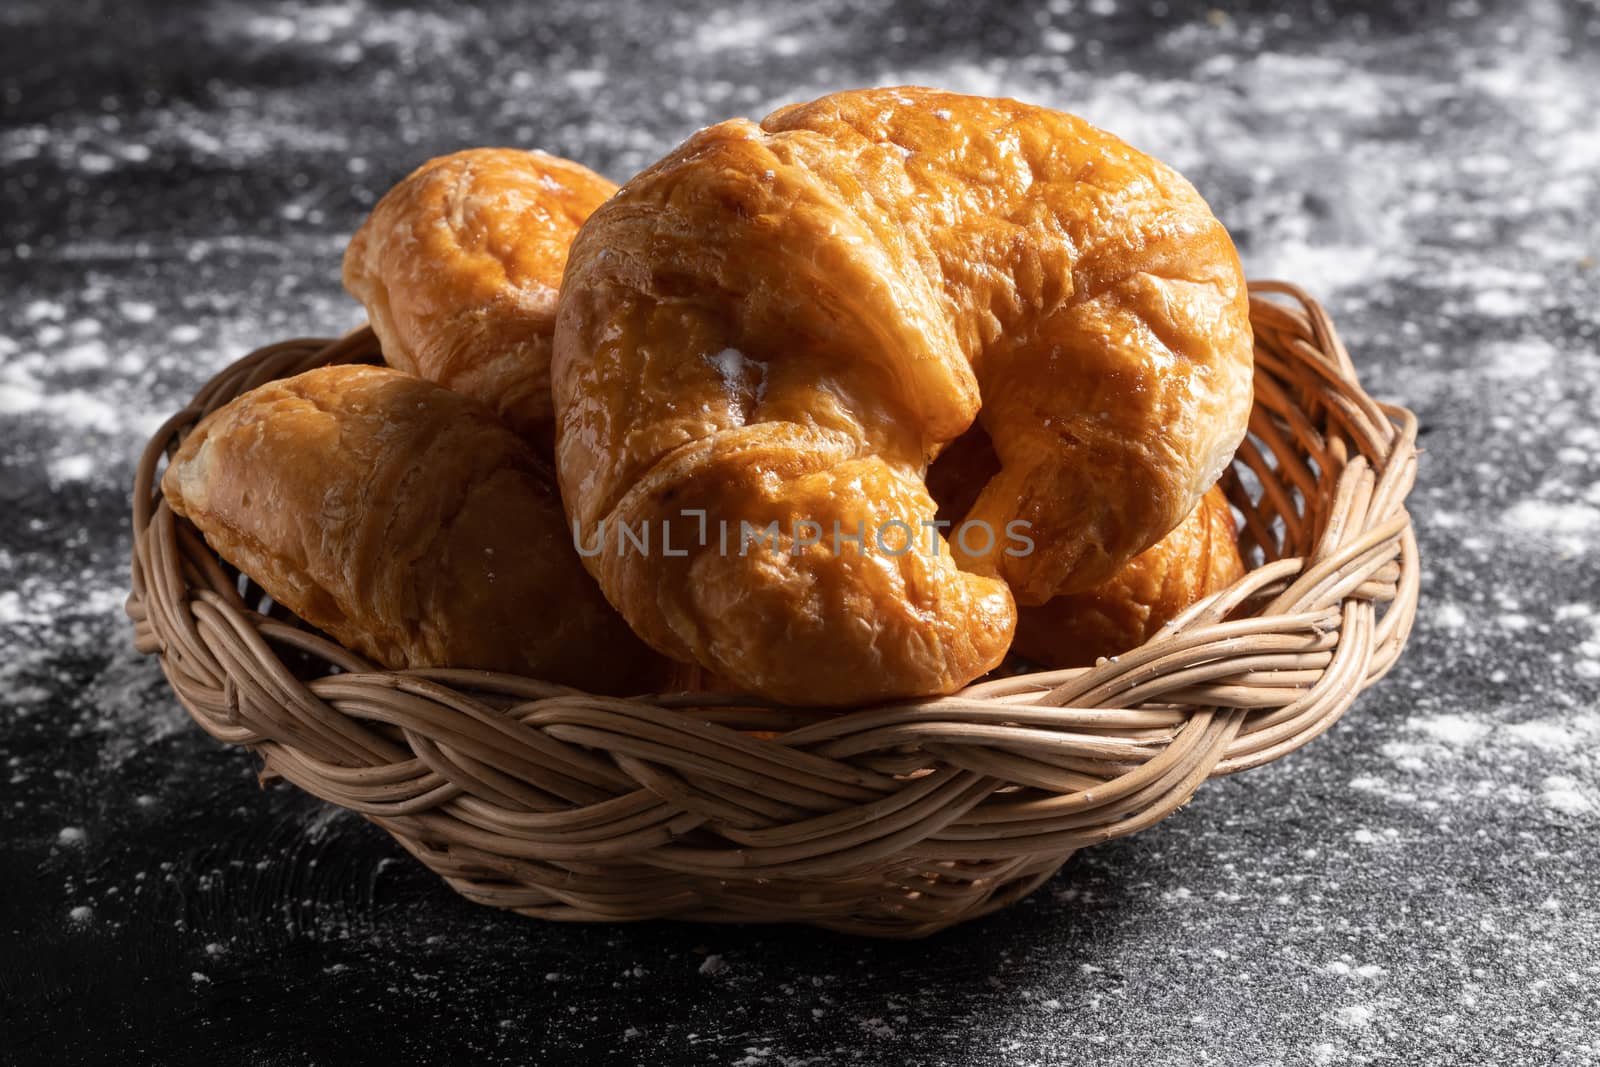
(406,521)
(1197,559)
(459,267)
(787,321)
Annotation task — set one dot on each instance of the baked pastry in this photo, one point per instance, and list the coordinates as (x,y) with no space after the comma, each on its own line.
(777,326)
(406,521)
(1197,559)
(458,267)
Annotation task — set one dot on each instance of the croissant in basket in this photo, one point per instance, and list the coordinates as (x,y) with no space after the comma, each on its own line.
(763,339)
(459,265)
(407,522)
(1198,558)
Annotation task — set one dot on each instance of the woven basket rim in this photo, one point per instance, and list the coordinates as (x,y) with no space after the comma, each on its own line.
(896,819)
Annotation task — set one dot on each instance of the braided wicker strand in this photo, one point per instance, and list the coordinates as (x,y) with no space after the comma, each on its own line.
(890,821)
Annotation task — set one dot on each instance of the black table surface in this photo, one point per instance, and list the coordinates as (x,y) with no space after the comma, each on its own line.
(177,182)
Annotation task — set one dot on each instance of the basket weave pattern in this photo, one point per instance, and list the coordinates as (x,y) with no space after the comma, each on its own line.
(892,821)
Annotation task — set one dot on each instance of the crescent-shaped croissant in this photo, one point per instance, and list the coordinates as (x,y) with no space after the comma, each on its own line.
(777,327)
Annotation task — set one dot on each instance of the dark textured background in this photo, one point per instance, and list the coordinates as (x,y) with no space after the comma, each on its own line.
(1419,886)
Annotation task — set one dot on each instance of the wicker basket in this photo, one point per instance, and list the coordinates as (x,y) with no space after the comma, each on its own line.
(892,821)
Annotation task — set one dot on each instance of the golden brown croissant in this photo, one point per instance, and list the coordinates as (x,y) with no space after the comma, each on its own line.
(407,522)
(777,326)
(1197,559)
(459,265)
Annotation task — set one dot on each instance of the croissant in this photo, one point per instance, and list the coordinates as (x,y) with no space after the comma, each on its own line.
(763,339)
(407,522)
(1197,559)
(459,266)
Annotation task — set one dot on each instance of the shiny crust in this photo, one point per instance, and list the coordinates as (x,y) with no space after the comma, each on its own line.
(787,321)
(459,266)
(1197,559)
(407,522)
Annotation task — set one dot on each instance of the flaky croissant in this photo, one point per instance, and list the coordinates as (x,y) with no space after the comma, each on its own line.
(459,265)
(776,327)
(407,522)
(1197,559)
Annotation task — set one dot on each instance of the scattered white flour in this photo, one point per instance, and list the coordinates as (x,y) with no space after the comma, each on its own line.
(1325,268)
(1573,733)
(38,600)
(137,310)
(43,310)
(740,374)
(80,409)
(1056,41)
(1354,1016)
(71,468)
(1527,357)
(585,80)
(11,607)
(1574,527)
(1455,730)
(1502,303)
(1563,794)
(86,355)
(349,27)
(728,30)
